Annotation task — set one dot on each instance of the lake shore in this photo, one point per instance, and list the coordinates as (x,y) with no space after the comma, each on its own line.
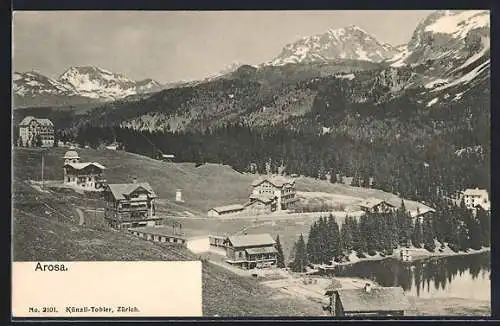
(416,254)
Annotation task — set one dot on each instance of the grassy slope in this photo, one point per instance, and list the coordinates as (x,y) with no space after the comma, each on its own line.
(45,236)
(203,187)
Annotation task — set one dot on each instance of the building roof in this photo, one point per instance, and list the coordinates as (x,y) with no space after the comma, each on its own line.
(79,166)
(372,202)
(421,211)
(42,121)
(277,181)
(476,192)
(378,299)
(168,155)
(262,250)
(120,189)
(26,120)
(227,208)
(251,240)
(71,154)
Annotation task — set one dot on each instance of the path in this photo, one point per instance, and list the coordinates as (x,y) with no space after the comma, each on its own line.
(80,214)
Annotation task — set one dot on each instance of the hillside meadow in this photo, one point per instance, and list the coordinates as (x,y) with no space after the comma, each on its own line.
(202,187)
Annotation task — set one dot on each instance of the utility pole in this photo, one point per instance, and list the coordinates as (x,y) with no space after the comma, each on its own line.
(43,168)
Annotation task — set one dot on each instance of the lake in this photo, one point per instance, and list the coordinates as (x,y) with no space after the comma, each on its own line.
(465,276)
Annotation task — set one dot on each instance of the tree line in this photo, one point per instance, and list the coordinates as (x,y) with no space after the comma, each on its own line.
(421,173)
(452,225)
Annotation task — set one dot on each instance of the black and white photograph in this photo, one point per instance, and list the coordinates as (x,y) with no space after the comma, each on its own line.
(321,163)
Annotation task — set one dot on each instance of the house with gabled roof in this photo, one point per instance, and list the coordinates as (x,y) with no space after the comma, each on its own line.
(376,205)
(86,176)
(368,301)
(130,205)
(251,250)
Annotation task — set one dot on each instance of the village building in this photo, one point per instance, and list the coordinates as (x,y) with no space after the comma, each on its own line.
(251,251)
(368,301)
(476,197)
(85,176)
(35,132)
(274,188)
(130,205)
(225,210)
(167,157)
(421,213)
(375,205)
(261,204)
(217,240)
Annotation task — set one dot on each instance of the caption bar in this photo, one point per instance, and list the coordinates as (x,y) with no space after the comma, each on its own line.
(107,289)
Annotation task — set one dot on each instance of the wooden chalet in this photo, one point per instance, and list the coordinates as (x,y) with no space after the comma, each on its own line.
(250,251)
(130,205)
(368,301)
(375,205)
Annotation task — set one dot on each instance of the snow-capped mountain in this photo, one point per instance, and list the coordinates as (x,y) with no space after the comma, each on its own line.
(453,47)
(448,43)
(94,82)
(34,83)
(349,42)
(82,84)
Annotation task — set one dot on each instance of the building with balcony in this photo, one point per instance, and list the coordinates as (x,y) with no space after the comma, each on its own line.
(86,176)
(250,251)
(276,192)
(130,205)
(36,132)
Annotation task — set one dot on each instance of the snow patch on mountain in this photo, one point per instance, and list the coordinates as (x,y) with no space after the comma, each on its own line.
(350,42)
(467,77)
(459,24)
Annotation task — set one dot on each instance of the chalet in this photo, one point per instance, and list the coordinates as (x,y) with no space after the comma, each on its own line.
(33,130)
(130,205)
(368,301)
(225,210)
(375,205)
(261,204)
(474,197)
(279,188)
(422,213)
(85,176)
(250,251)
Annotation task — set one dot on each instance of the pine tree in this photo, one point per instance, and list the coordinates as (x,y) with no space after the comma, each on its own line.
(346,235)
(416,238)
(280,257)
(428,234)
(300,262)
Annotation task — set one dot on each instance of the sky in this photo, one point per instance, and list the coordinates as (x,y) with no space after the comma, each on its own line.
(181,45)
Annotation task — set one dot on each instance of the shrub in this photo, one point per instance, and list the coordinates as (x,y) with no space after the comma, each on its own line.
(372,253)
(454,247)
(429,247)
